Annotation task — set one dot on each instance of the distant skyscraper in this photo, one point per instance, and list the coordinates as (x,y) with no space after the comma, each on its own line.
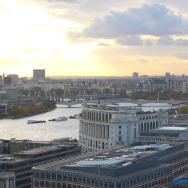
(135,75)
(7,81)
(167,75)
(14,79)
(39,74)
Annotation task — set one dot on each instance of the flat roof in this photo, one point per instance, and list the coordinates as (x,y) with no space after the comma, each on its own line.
(173,128)
(166,131)
(41,150)
(116,108)
(10,160)
(112,158)
(5,174)
(122,157)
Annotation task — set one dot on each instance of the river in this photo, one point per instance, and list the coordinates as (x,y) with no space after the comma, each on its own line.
(19,129)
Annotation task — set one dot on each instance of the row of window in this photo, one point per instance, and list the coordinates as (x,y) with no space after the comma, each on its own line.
(45,184)
(95,116)
(148,117)
(100,182)
(94,130)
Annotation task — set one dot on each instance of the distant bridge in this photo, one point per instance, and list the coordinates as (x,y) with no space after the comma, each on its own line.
(141,103)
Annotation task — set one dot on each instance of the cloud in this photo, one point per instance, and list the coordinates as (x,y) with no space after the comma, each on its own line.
(102,44)
(181,42)
(60,1)
(183,56)
(74,35)
(143,61)
(166,40)
(134,41)
(130,41)
(170,41)
(154,19)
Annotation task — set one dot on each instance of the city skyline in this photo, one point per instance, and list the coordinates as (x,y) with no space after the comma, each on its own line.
(92,38)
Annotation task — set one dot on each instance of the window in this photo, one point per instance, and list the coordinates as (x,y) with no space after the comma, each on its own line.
(47,175)
(42,175)
(119,138)
(41,183)
(69,177)
(59,176)
(11,182)
(47,184)
(36,183)
(53,176)
(2,184)
(64,176)
(36,175)
(103,145)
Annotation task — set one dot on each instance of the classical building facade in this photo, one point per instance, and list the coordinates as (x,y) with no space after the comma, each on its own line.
(105,126)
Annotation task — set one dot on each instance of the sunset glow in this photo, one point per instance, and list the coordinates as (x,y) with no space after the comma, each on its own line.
(65,39)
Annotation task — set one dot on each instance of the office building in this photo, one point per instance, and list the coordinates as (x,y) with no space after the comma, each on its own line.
(136,167)
(167,75)
(7,81)
(14,79)
(7,180)
(39,74)
(164,134)
(22,162)
(135,75)
(105,126)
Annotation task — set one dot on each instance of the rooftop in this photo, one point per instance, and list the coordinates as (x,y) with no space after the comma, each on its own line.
(41,150)
(6,174)
(11,160)
(164,131)
(115,161)
(122,157)
(110,107)
(115,107)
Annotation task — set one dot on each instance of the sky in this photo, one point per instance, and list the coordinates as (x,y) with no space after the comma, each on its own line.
(94,38)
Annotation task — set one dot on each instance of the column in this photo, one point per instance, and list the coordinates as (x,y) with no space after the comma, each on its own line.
(104,131)
(108,131)
(100,131)
(97,132)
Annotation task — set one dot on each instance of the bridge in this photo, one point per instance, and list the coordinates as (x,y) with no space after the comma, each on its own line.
(141,103)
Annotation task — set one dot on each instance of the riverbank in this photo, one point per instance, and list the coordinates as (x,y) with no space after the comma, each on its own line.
(16,112)
(29,115)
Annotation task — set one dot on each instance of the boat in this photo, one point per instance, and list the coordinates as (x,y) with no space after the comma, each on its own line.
(61,119)
(76,116)
(58,119)
(51,119)
(35,121)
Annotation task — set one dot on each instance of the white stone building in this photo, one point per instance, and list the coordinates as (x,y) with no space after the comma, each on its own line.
(104,126)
